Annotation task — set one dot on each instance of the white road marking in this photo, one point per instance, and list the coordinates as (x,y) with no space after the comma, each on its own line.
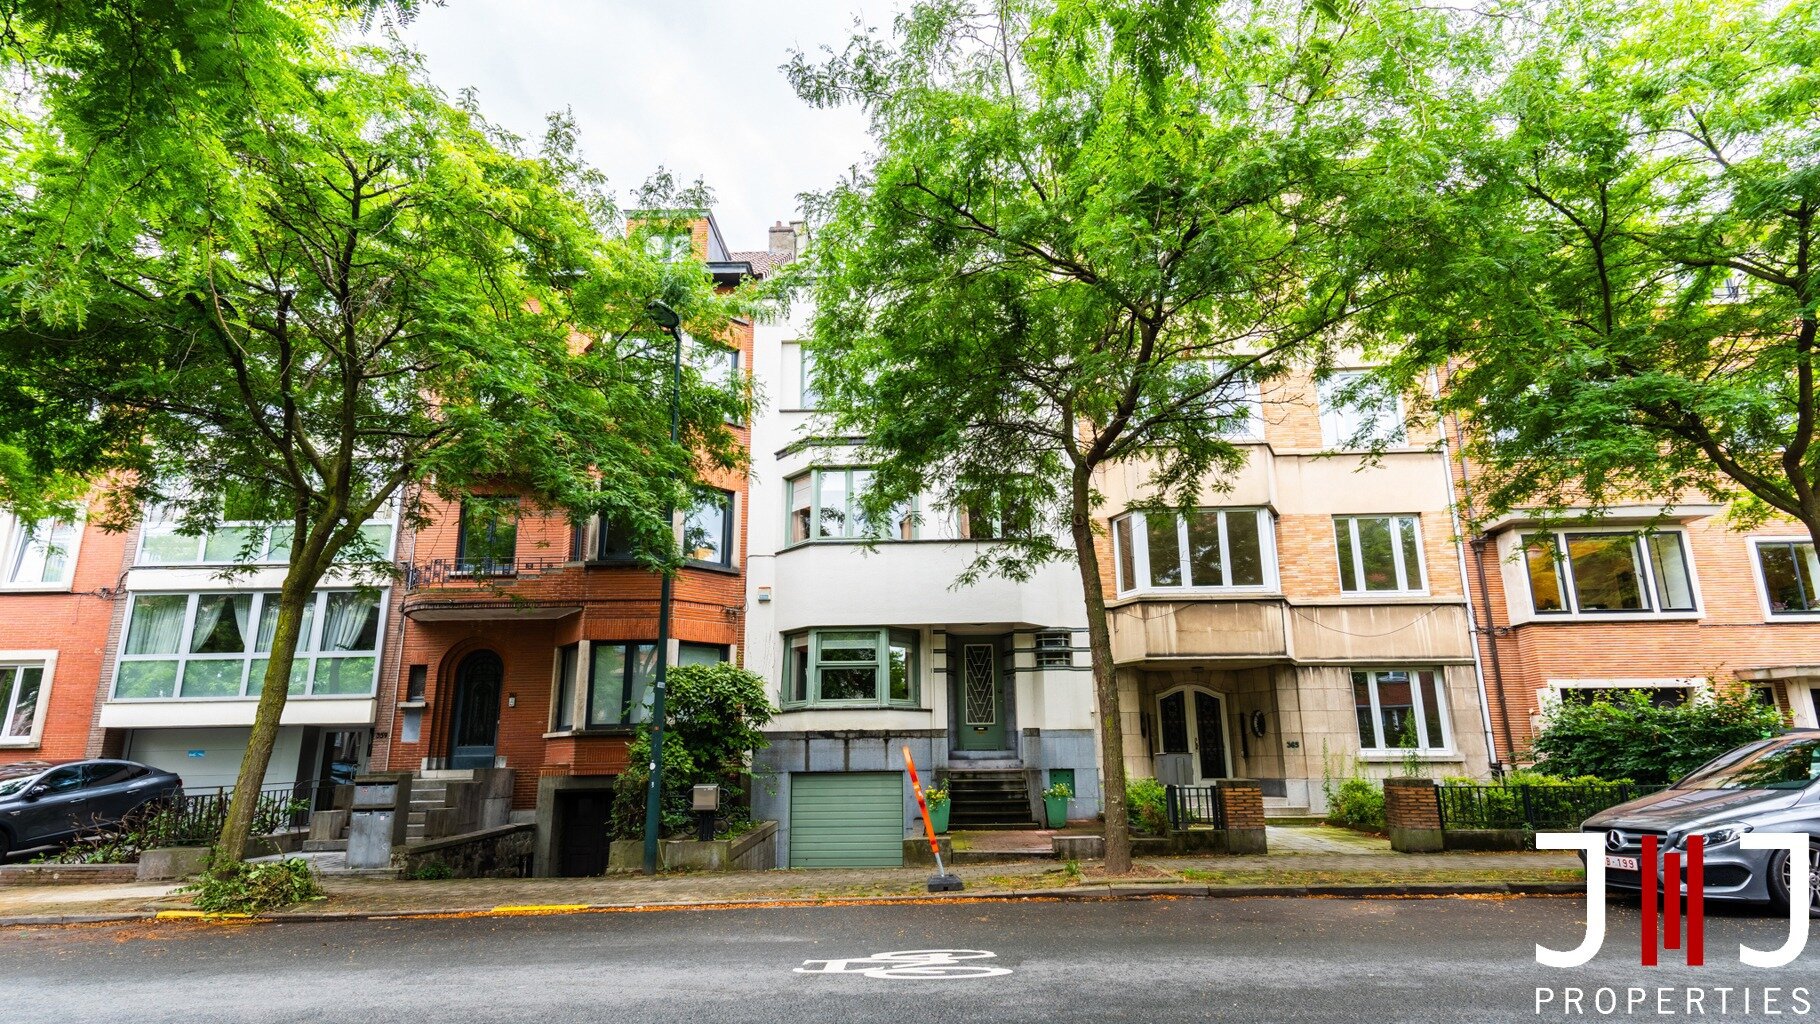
(911,965)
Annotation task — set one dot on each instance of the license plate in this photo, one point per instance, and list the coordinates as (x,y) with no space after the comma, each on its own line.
(1621,863)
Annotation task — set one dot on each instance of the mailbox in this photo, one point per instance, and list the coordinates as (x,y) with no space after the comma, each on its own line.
(707,798)
(382,806)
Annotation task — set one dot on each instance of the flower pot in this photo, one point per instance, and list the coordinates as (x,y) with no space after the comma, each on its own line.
(938,816)
(1056,808)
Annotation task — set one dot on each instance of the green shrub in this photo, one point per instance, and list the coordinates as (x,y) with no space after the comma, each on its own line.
(714,715)
(432,871)
(1357,802)
(1144,800)
(252,888)
(1621,735)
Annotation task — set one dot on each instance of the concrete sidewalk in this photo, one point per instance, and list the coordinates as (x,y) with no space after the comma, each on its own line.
(1362,874)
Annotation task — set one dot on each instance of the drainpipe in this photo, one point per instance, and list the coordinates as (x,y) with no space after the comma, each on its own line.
(1472,611)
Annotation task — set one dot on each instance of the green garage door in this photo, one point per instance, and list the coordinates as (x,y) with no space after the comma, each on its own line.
(846,820)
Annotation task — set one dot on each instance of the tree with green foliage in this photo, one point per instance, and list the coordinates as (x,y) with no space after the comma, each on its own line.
(356,295)
(713,721)
(1626,299)
(1624,736)
(1089,226)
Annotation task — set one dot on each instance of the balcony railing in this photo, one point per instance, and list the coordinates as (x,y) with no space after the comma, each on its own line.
(1189,806)
(480,571)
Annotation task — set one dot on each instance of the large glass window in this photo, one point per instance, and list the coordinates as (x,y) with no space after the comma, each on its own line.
(1209,548)
(1608,572)
(1401,709)
(567,664)
(21,691)
(488,542)
(1355,414)
(215,645)
(619,683)
(825,505)
(1379,554)
(708,529)
(851,668)
(1791,576)
(810,398)
(249,543)
(41,556)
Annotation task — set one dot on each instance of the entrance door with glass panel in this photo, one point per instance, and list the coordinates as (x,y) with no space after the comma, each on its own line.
(1193,721)
(475,729)
(979,698)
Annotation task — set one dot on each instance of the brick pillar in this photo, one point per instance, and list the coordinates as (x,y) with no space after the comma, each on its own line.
(1243,802)
(1412,814)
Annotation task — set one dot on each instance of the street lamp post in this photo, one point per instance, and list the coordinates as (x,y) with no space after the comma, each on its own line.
(666,318)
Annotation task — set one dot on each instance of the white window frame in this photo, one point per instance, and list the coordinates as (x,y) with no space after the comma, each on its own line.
(1351,525)
(1334,415)
(1423,740)
(1752,546)
(1640,551)
(46,660)
(386,517)
(1140,554)
(308,647)
(1253,427)
(13,532)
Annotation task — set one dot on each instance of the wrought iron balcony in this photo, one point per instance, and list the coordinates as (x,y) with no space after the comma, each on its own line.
(478,571)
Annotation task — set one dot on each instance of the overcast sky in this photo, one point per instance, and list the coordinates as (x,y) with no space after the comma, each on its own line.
(692,85)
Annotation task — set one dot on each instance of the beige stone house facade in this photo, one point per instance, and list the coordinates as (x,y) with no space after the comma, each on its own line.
(1308,619)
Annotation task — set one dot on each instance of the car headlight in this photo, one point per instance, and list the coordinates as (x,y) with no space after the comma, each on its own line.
(1715,835)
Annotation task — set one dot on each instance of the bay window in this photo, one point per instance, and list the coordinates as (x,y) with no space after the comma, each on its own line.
(217,645)
(1205,549)
(1401,709)
(1379,554)
(1791,576)
(1608,572)
(619,683)
(825,505)
(851,668)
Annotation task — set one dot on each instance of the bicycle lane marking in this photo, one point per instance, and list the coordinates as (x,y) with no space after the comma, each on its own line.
(912,965)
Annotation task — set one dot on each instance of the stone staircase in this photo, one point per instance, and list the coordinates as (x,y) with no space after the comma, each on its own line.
(444,802)
(988,797)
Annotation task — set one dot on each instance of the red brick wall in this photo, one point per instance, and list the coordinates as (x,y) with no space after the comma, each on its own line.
(75,623)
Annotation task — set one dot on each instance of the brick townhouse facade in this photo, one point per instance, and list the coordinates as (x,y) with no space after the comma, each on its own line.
(1663,598)
(1308,620)
(59,587)
(526,642)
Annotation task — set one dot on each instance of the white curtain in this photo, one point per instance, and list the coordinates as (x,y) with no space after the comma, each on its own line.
(157,624)
(347,619)
(208,613)
(268,623)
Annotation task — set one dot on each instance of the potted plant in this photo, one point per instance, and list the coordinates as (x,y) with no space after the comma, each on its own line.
(1055,803)
(937,799)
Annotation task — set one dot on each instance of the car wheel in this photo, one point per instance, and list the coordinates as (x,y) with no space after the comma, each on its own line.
(1779,880)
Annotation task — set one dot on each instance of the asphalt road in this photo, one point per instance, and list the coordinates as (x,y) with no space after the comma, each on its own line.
(1266,960)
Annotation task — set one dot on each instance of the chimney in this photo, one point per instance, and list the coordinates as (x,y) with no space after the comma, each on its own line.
(783,241)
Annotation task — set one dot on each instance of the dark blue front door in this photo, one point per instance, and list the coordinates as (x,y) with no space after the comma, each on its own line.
(478,680)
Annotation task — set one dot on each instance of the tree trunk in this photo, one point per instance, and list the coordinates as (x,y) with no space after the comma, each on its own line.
(230,848)
(1105,683)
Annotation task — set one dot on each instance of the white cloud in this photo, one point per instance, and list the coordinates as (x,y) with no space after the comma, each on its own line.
(692,85)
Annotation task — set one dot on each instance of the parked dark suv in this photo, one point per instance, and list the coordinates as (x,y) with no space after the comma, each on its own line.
(43,803)
(1771,785)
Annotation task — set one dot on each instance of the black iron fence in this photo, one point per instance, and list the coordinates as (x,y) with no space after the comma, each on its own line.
(1194,805)
(476,570)
(196,818)
(1546,808)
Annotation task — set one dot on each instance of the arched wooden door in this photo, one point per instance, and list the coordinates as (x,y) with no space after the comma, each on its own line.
(474,732)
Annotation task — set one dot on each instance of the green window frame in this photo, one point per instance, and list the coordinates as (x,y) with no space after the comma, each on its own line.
(822,505)
(852,667)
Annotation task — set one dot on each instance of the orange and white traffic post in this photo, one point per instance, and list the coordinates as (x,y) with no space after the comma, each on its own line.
(941,881)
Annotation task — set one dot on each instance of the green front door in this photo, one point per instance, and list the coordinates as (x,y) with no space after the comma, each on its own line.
(979,695)
(846,820)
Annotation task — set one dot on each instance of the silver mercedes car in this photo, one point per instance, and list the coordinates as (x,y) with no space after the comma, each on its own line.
(1771,785)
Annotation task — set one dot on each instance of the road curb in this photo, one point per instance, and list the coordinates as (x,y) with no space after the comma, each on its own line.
(1079,894)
